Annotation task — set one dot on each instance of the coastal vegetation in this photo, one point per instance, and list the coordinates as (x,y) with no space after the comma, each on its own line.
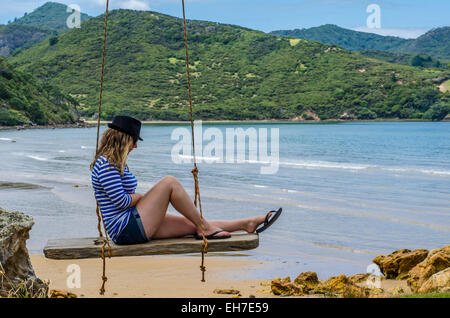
(419,60)
(26,100)
(237,74)
(15,37)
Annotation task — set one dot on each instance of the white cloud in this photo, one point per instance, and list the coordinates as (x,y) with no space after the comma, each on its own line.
(135,5)
(406,33)
(100,2)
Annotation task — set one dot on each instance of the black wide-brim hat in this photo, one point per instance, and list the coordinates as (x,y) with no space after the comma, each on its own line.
(127,125)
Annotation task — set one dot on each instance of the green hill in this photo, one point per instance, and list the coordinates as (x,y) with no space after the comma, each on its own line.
(421,60)
(24,100)
(14,36)
(237,73)
(348,39)
(47,20)
(435,42)
(51,15)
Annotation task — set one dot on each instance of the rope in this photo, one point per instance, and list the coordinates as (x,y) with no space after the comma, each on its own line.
(99,215)
(195,169)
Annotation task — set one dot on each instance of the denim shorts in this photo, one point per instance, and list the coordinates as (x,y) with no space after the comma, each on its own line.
(134,232)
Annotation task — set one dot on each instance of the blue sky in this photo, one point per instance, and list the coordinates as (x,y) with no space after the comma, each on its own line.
(406,18)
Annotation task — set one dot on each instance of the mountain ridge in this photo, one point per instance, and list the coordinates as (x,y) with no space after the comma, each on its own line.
(47,20)
(51,15)
(434,42)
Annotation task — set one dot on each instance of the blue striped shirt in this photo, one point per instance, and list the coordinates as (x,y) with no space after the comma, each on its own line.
(113,194)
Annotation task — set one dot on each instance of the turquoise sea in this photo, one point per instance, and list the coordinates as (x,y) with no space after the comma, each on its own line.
(349,191)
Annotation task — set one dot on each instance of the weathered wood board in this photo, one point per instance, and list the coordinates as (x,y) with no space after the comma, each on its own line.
(78,248)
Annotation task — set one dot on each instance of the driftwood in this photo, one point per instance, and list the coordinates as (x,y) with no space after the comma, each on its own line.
(77,248)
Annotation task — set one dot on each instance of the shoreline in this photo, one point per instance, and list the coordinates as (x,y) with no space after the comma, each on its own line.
(93,123)
(281,121)
(53,126)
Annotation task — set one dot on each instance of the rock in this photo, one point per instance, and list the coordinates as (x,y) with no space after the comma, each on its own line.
(61,294)
(375,292)
(398,264)
(341,285)
(226,291)
(284,287)
(396,291)
(359,278)
(307,281)
(347,116)
(437,282)
(436,261)
(16,269)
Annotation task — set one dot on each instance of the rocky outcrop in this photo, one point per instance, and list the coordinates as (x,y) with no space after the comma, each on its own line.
(347,116)
(308,283)
(341,286)
(307,280)
(284,287)
(437,260)
(16,269)
(398,264)
(302,285)
(359,278)
(437,283)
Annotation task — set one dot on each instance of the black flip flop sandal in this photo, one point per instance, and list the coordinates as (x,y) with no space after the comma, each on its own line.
(268,222)
(213,236)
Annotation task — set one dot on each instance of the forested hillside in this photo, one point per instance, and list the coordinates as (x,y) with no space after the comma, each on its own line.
(50,16)
(25,100)
(435,43)
(237,73)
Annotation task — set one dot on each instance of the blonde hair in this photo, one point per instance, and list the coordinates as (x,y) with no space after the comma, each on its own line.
(115,146)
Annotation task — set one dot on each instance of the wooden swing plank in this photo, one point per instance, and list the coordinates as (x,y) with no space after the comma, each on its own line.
(78,248)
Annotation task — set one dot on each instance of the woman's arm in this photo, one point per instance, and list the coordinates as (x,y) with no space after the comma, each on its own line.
(109,178)
(135,197)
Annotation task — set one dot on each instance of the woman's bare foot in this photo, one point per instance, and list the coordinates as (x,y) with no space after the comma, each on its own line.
(255,221)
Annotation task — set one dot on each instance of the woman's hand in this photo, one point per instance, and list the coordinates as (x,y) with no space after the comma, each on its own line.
(135,197)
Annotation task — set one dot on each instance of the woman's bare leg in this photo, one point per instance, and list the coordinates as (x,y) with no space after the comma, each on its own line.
(177,226)
(152,208)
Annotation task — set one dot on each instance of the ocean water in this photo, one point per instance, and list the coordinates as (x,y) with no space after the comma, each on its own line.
(349,191)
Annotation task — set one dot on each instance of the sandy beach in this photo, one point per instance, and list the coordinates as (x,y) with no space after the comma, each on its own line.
(166,277)
(147,276)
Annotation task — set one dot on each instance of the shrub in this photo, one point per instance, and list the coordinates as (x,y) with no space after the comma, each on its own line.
(365,113)
(4,93)
(53,40)
(437,112)
(10,118)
